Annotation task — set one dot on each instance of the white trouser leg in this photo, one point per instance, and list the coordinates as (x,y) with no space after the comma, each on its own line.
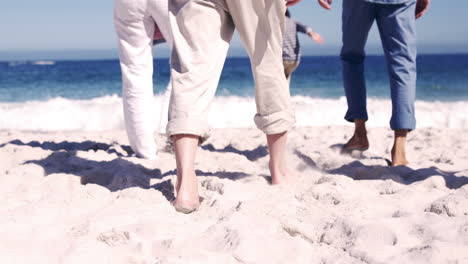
(135,31)
(160,14)
(164,117)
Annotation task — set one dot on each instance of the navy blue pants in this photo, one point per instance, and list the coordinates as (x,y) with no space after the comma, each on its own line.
(396,23)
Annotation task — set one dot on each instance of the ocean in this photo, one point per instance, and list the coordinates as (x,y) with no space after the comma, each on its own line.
(86,95)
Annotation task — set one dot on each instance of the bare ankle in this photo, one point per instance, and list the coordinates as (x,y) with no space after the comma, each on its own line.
(399,148)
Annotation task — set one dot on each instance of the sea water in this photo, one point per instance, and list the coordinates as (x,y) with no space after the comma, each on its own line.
(86,95)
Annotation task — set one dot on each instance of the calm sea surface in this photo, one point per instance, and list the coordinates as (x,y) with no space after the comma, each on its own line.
(440,78)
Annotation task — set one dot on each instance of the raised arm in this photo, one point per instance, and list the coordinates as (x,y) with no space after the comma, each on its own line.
(292,2)
(421,7)
(326,3)
(316,37)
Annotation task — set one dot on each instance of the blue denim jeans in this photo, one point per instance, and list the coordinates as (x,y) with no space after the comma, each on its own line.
(396,24)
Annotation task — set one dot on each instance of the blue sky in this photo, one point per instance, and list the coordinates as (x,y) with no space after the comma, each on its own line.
(84,29)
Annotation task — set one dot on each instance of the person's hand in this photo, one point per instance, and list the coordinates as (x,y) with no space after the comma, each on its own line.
(327,3)
(291,2)
(316,37)
(421,7)
(157,33)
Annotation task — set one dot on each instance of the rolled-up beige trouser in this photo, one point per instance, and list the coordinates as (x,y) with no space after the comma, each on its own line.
(202,30)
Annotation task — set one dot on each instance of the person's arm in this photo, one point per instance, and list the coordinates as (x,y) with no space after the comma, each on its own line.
(323,3)
(292,2)
(421,7)
(158,36)
(309,32)
(302,28)
(326,3)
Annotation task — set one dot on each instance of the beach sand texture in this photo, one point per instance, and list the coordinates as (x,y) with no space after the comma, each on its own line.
(81,197)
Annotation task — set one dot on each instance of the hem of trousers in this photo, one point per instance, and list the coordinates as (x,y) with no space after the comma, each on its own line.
(275,123)
(188,126)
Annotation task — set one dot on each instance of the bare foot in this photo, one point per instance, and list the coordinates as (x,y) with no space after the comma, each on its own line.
(359,140)
(398,149)
(187,199)
(398,158)
(280,175)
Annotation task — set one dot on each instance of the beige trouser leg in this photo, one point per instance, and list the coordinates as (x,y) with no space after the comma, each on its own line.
(202,31)
(260,24)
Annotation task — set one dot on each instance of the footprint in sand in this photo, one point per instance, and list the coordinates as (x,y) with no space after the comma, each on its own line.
(388,188)
(228,241)
(114,238)
(375,235)
(399,213)
(422,232)
(79,230)
(326,179)
(213,185)
(339,234)
(423,254)
(463,233)
(452,205)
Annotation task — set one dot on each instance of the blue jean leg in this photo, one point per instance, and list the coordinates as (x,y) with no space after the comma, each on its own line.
(398,34)
(357,19)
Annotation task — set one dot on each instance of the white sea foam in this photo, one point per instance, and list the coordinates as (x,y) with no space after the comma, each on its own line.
(105,113)
(43,62)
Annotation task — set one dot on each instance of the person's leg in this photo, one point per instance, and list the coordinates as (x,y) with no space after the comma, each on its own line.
(260,24)
(159,10)
(398,33)
(289,68)
(187,199)
(399,148)
(164,116)
(357,19)
(202,33)
(277,165)
(135,36)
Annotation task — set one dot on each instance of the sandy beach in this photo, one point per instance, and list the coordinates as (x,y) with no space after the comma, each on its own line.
(82,197)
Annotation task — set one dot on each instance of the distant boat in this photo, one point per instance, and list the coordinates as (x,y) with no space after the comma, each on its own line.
(43,62)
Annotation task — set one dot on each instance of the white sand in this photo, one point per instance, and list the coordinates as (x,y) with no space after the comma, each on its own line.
(80,198)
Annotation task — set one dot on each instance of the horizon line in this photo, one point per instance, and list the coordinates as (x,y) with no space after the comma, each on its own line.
(104,58)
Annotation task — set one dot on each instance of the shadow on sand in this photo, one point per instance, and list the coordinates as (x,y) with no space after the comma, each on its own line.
(119,150)
(402,174)
(252,155)
(116,174)
(356,170)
